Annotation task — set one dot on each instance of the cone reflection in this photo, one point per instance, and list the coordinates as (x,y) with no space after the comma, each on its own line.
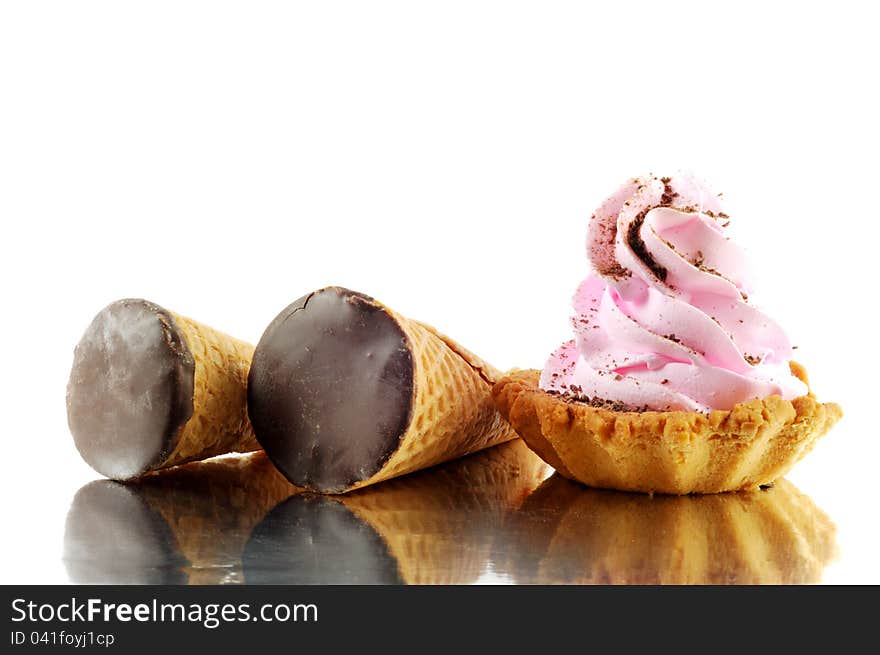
(432,527)
(565,533)
(184,525)
(237,520)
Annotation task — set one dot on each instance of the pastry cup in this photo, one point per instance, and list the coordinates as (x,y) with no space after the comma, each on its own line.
(674,452)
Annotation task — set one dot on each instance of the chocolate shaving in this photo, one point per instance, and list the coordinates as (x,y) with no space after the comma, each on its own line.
(613,270)
(617,272)
(635,241)
(719,216)
(598,403)
(612,405)
(699,263)
(668,193)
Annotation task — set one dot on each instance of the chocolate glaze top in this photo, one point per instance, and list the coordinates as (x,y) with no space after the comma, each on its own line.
(331,389)
(130,389)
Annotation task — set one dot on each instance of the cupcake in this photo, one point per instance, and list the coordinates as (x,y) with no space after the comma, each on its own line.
(674,381)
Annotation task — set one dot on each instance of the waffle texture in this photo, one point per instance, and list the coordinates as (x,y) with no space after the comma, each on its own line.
(440,524)
(676,452)
(453,413)
(219,423)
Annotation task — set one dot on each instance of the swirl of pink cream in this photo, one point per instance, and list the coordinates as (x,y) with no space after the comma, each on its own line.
(663,321)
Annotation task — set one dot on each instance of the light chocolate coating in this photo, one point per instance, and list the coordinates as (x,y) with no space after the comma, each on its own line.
(151,389)
(131,388)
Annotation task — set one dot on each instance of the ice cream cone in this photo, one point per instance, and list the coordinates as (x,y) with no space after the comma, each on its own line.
(344,393)
(150,389)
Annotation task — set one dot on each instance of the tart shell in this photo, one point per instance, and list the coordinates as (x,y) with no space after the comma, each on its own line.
(675,452)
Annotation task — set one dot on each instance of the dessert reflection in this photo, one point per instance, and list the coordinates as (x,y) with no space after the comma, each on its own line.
(433,527)
(236,520)
(565,533)
(184,525)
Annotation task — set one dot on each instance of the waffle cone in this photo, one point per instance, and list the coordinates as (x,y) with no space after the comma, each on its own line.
(439,524)
(769,536)
(219,423)
(453,414)
(677,452)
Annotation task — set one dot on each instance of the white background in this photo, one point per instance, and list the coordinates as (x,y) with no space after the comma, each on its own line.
(223,159)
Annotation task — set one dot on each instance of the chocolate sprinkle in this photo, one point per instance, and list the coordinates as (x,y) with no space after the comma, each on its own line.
(635,241)
(668,193)
(598,403)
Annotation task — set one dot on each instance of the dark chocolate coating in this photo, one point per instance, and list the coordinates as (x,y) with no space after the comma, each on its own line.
(112,536)
(331,389)
(130,389)
(313,540)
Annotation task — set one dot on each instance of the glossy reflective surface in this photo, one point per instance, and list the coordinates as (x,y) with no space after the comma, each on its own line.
(498,516)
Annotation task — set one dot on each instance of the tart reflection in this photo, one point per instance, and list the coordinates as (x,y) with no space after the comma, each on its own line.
(237,520)
(565,533)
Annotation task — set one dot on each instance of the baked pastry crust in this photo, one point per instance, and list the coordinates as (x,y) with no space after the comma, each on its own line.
(674,452)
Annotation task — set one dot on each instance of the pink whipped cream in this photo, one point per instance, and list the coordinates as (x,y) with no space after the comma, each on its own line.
(663,321)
